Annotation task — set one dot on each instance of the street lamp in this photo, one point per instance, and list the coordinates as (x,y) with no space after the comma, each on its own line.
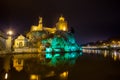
(9,40)
(10,32)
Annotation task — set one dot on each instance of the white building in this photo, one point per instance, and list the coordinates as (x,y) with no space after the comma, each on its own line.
(20,42)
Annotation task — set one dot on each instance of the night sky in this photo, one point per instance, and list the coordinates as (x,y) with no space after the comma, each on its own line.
(92,20)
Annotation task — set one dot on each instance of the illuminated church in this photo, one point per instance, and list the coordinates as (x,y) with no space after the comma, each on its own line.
(40,38)
(61,25)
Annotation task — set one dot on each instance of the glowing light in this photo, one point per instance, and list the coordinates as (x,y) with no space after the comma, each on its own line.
(48,49)
(56,55)
(81,53)
(18,64)
(57,50)
(81,48)
(64,29)
(34,77)
(61,18)
(115,58)
(115,55)
(10,32)
(105,53)
(64,74)
(35,28)
(61,41)
(73,55)
(73,48)
(6,75)
(48,55)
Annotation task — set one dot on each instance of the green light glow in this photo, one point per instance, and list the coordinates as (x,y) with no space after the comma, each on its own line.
(48,49)
(67,58)
(56,55)
(48,55)
(60,41)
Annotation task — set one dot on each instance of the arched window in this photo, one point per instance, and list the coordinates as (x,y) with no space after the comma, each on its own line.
(20,44)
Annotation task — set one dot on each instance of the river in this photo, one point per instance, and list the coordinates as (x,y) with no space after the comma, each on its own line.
(85,65)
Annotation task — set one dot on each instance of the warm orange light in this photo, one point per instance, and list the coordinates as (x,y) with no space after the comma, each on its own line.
(61,18)
(34,77)
(64,29)
(64,74)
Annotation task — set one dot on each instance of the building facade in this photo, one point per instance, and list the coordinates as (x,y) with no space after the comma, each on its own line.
(41,38)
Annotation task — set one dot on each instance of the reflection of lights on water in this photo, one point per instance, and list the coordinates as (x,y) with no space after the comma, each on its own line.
(105,53)
(48,55)
(6,75)
(73,55)
(64,74)
(34,77)
(98,51)
(81,53)
(115,58)
(119,56)
(115,55)
(86,51)
(52,73)
(91,51)
(56,55)
(18,64)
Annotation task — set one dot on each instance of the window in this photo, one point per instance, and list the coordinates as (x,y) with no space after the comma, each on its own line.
(20,44)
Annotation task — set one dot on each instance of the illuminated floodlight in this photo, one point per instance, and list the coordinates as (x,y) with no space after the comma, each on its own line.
(10,32)
(48,55)
(48,49)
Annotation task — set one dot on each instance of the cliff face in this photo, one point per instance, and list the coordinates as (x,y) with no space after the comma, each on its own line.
(60,41)
(56,39)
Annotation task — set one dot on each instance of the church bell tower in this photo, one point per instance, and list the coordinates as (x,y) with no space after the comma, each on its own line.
(61,25)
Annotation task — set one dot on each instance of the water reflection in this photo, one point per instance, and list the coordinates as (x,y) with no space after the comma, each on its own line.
(95,65)
(64,75)
(6,65)
(18,63)
(114,54)
(38,66)
(6,75)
